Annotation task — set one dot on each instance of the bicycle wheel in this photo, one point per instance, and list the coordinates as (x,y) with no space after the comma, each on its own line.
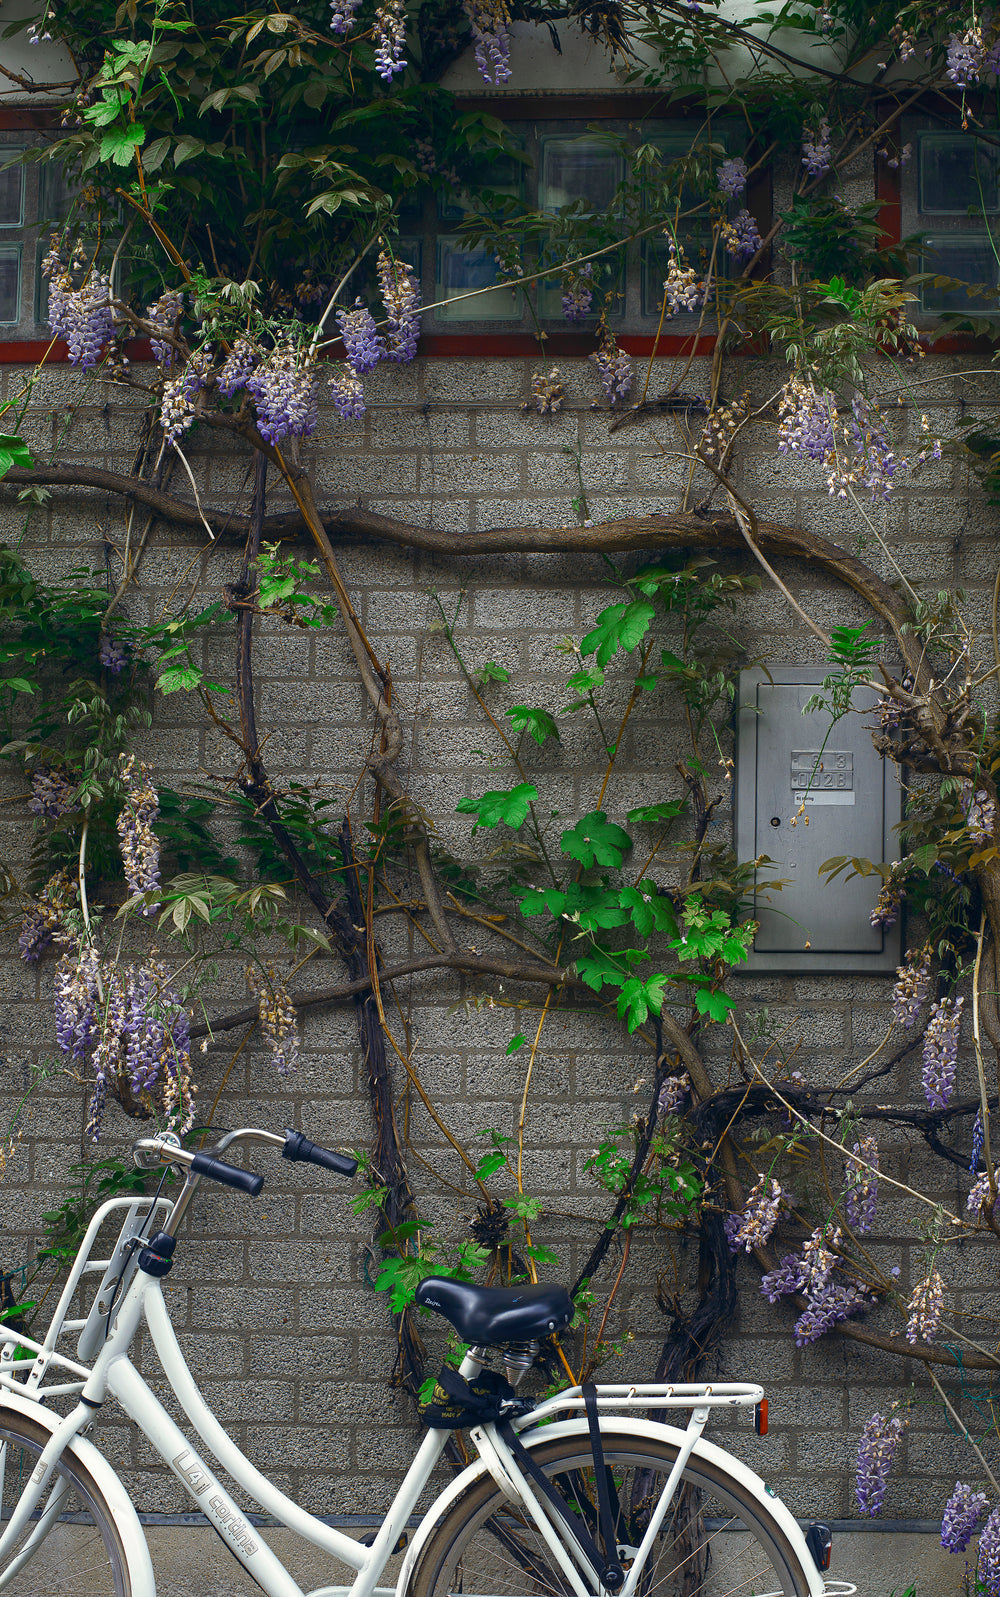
(81,1553)
(720,1544)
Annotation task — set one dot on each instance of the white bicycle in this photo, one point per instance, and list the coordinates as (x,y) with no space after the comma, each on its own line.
(566,1497)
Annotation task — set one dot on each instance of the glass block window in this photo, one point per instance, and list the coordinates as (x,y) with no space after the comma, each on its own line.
(10,284)
(505,175)
(609,274)
(970,257)
(958,176)
(55,195)
(11,189)
(459,271)
(578,169)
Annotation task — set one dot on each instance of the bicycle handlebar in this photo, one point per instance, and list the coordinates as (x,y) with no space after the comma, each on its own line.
(297,1147)
(203,1164)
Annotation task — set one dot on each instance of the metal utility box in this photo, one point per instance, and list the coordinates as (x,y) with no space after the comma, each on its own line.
(853,803)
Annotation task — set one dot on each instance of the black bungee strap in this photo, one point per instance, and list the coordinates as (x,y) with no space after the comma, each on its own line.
(605,1565)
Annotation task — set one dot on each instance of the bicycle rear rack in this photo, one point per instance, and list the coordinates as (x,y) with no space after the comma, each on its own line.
(26,1365)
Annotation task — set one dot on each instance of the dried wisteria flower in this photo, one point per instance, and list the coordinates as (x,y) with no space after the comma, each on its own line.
(277,1017)
(547,392)
(861,1182)
(236,368)
(940,1054)
(490,23)
(43,919)
(817,150)
(962,1513)
(390,38)
(342,14)
(180,395)
(731,177)
(401,298)
(361,340)
(980,812)
(759,1216)
(614,369)
(980,1193)
(877,1449)
(673,1093)
(578,293)
(722,426)
(805,420)
(924,1308)
(82,316)
(139,845)
(53,792)
(112,654)
(285,391)
(163,315)
(911,986)
(741,237)
(348,394)
(683,289)
(886,911)
(988,1562)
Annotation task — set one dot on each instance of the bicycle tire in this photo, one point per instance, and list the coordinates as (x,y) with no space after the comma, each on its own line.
(484,1545)
(76,1558)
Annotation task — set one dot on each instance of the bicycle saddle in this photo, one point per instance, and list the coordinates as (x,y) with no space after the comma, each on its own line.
(485,1315)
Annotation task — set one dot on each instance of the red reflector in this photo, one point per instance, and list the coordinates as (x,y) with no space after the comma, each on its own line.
(760,1418)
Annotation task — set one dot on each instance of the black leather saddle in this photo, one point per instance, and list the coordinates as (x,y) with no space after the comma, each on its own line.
(485,1315)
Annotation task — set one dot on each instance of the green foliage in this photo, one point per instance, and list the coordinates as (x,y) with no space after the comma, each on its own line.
(620,626)
(509,808)
(595,840)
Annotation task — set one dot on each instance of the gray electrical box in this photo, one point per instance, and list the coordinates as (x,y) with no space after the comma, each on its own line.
(853,801)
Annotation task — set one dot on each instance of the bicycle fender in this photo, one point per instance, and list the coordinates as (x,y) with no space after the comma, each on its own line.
(125,1517)
(655,1431)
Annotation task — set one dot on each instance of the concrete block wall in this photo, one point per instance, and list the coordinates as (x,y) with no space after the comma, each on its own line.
(277,1293)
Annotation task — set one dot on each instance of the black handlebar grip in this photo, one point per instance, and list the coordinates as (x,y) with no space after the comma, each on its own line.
(299,1147)
(217,1170)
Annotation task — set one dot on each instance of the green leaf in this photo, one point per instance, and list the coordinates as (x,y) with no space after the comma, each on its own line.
(509,807)
(925,857)
(187,147)
(155,154)
(598,967)
(13,452)
(181,676)
(516,1043)
(119,144)
(538,723)
(713,1004)
(595,840)
(621,626)
(538,899)
(637,998)
(649,911)
(491,672)
(489,1164)
(656,814)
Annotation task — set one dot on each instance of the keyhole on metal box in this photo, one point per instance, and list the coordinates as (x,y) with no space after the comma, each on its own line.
(775,820)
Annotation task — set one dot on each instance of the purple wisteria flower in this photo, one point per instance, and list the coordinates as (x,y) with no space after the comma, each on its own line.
(805,420)
(759,1216)
(977,1142)
(980,812)
(547,392)
(817,150)
(877,1449)
(741,237)
(578,294)
(140,847)
(43,919)
(886,911)
(966,57)
(143,1038)
(988,1562)
(673,1093)
(731,177)
(164,315)
(348,395)
(82,316)
(826,1308)
(342,14)
(980,1193)
(53,792)
(940,1056)
(401,298)
(490,23)
(782,1281)
(277,1017)
(924,1308)
(112,654)
(875,462)
(76,998)
(361,341)
(285,391)
(861,1180)
(390,38)
(911,987)
(614,369)
(236,368)
(962,1513)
